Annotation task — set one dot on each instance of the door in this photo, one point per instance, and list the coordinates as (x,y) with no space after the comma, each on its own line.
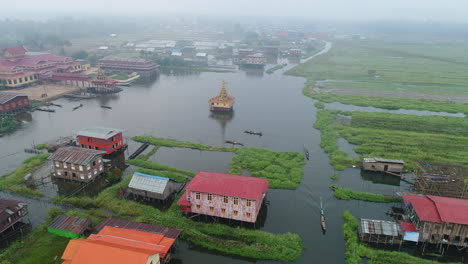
(385,168)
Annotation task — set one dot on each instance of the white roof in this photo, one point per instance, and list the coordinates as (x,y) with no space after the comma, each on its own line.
(176,53)
(201,54)
(99,132)
(383,160)
(103,47)
(148,183)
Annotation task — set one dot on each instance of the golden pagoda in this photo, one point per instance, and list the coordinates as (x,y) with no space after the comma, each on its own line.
(223,102)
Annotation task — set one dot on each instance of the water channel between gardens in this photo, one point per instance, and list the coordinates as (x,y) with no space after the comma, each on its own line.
(175,106)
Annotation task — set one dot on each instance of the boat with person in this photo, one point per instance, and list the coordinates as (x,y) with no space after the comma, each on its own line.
(323,224)
(253,133)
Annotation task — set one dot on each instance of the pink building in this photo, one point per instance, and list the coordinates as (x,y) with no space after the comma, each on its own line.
(224,195)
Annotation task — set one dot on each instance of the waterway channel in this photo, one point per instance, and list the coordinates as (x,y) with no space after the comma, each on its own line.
(175,106)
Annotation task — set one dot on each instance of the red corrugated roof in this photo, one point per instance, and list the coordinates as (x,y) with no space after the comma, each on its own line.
(183,200)
(407,226)
(15,50)
(229,185)
(439,209)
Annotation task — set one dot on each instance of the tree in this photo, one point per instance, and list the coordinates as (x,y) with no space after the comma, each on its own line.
(81,55)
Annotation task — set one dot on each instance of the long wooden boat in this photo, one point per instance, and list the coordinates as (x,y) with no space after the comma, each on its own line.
(323,224)
(253,133)
(306,153)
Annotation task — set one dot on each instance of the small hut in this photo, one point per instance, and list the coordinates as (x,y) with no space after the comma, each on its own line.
(151,187)
(380,232)
(223,102)
(11,212)
(69,226)
(384,165)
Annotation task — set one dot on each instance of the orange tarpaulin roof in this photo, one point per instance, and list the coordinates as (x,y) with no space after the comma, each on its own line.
(117,246)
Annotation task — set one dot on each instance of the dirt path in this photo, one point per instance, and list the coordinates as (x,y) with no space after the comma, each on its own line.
(53,91)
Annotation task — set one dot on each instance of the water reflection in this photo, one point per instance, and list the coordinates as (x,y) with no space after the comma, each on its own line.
(223,118)
(294,60)
(24,117)
(380,177)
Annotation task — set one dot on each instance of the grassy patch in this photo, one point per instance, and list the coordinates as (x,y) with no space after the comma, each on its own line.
(238,241)
(319,105)
(281,169)
(275,68)
(14,180)
(159,167)
(120,76)
(149,154)
(335,177)
(328,140)
(347,194)
(355,250)
(41,146)
(8,123)
(179,144)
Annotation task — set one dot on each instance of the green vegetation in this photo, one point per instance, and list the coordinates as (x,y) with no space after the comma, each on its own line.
(335,176)
(8,123)
(114,175)
(14,181)
(281,169)
(120,76)
(347,194)
(355,250)
(328,140)
(391,103)
(179,144)
(275,68)
(177,177)
(149,154)
(232,240)
(159,167)
(34,103)
(319,105)
(41,146)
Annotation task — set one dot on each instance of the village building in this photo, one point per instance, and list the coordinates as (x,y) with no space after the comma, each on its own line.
(102,84)
(12,102)
(384,165)
(295,52)
(254,60)
(77,164)
(223,102)
(151,187)
(18,68)
(201,58)
(69,226)
(224,195)
(243,53)
(122,244)
(11,212)
(106,139)
(144,67)
(379,231)
(438,220)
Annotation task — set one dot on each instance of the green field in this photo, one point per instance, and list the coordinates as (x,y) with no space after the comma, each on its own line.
(397,67)
(395,136)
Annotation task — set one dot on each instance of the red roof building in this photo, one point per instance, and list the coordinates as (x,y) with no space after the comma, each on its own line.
(438,219)
(12,102)
(224,195)
(119,246)
(18,68)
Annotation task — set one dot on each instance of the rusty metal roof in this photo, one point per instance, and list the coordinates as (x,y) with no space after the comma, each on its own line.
(75,155)
(380,227)
(9,207)
(166,231)
(6,97)
(73,224)
(383,160)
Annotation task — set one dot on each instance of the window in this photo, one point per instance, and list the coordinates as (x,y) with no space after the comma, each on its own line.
(103,141)
(82,145)
(223,210)
(81,168)
(66,173)
(211,209)
(197,196)
(73,175)
(89,175)
(97,148)
(72,166)
(82,176)
(236,213)
(247,215)
(236,200)
(99,160)
(249,202)
(96,141)
(81,138)
(57,164)
(210,197)
(90,139)
(88,167)
(64,165)
(59,173)
(446,238)
(100,168)
(94,163)
(89,146)
(198,207)
(466,240)
(95,171)
(226,199)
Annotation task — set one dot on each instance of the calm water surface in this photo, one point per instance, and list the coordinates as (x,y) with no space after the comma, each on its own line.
(175,106)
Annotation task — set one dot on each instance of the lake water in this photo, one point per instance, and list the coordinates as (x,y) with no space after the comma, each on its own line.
(176,106)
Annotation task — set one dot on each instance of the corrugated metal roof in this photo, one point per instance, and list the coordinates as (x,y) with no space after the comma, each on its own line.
(166,231)
(99,132)
(73,224)
(383,160)
(148,183)
(75,155)
(380,227)
(6,97)
(439,209)
(9,207)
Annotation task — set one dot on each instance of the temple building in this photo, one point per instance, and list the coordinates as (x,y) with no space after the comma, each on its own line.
(18,68)
(144,67)
(223,102)
(103,85)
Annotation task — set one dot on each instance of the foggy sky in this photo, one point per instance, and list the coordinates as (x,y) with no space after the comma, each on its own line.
(357,10)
